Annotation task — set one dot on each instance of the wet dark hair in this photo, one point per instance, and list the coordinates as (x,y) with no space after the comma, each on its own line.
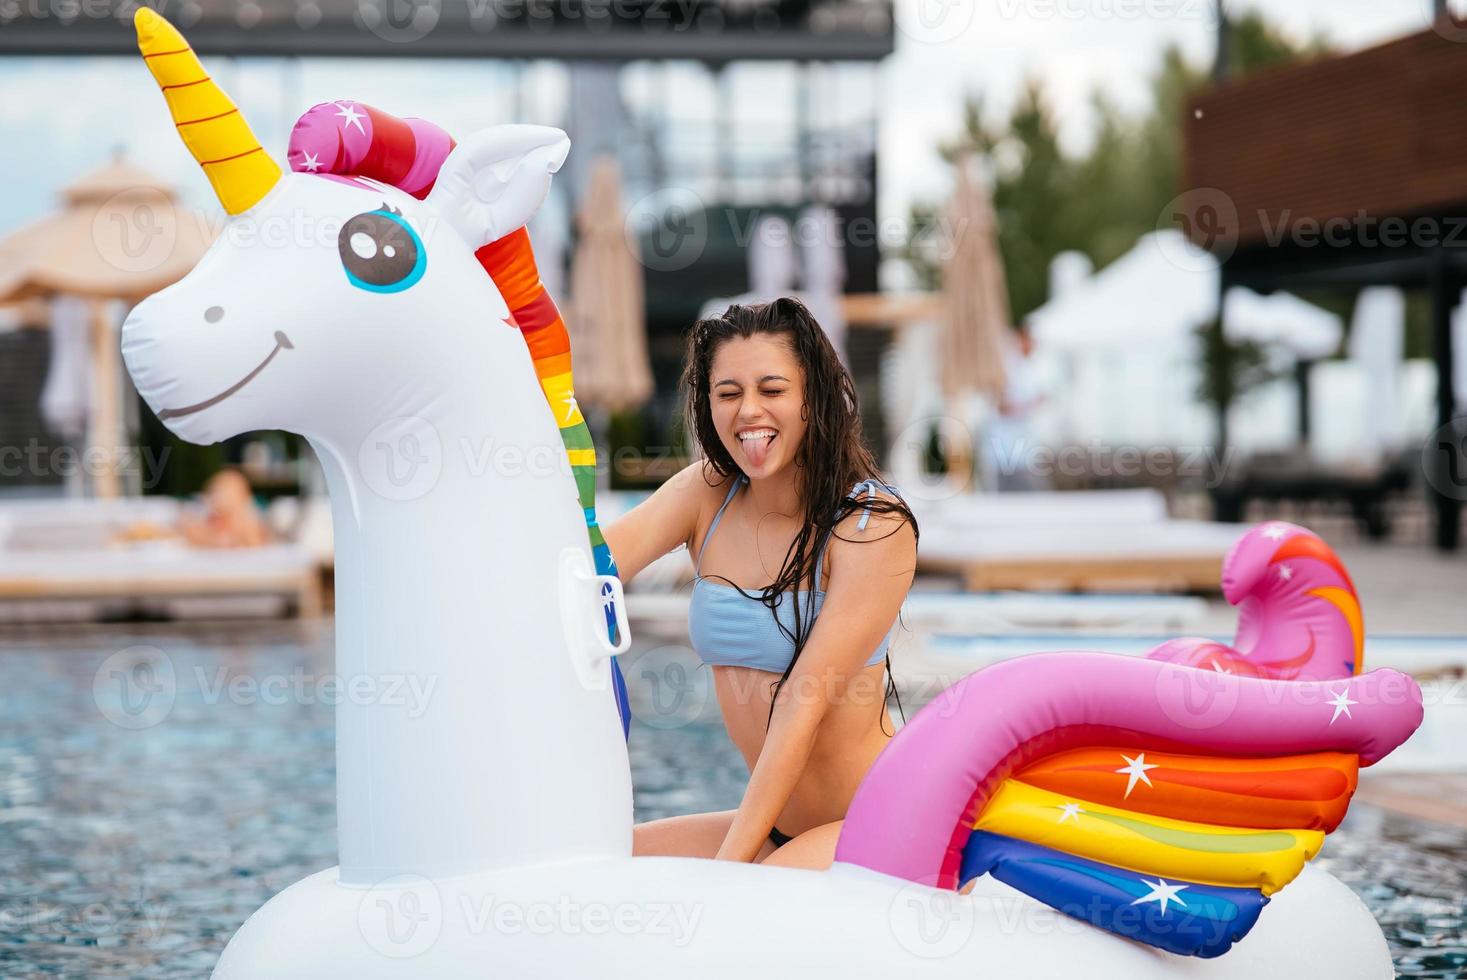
(832,457)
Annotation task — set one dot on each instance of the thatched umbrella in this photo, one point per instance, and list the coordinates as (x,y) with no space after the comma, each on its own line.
(119,235)
(607,318)
(975,307)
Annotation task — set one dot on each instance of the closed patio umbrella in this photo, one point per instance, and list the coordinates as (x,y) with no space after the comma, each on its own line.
(975,305)
(607,316)
(120,234)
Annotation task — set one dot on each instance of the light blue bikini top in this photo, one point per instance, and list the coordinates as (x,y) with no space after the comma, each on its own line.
(729,630)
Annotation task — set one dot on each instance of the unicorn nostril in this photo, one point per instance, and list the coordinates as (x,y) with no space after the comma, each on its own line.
(214,314)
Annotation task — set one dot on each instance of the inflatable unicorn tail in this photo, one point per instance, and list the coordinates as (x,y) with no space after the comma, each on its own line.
(1156,800)
(348,138)
(1298,614)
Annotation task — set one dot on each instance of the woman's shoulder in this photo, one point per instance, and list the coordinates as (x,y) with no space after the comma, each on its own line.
(860,521)
(699,488)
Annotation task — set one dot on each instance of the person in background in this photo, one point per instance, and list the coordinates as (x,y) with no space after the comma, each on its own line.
(230,519)
(1010,444)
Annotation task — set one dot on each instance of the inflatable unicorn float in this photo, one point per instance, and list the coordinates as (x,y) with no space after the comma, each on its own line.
(1057,815)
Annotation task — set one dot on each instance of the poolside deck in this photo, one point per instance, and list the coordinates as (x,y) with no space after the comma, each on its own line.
(1437,796)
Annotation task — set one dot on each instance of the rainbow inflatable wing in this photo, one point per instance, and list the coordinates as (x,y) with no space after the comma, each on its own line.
(349,138)
(1161,801)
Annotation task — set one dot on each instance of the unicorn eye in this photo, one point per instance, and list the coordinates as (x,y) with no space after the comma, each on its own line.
(380,251)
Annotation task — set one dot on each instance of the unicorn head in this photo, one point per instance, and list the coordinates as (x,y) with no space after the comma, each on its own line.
(324,292)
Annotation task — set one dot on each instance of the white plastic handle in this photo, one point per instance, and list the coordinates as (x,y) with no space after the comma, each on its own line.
(618,600)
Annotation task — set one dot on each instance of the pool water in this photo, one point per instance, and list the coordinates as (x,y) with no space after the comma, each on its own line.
(136,837)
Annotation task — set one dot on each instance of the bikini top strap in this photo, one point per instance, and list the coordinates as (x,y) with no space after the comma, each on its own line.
(738,482)
(868,487)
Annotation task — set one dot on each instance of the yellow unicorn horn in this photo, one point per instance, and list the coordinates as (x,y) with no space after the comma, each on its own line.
(211,126)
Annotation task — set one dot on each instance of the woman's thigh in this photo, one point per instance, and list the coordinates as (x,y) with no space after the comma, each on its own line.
(691,835)
(814,849)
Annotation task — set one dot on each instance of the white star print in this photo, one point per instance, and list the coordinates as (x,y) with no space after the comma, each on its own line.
(1341,703)
(1220,668)
(312,163)
(1070,810)
(1162,893)
(352,117)
(1274,532)
(570,407)
(1136,770)
(1285,572)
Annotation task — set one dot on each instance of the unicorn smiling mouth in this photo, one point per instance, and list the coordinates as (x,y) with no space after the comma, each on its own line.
(282,342)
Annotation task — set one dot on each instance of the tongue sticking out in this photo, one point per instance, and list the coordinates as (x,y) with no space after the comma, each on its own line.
(757,449)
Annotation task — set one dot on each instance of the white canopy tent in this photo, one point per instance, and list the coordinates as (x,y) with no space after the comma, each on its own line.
(1120,347)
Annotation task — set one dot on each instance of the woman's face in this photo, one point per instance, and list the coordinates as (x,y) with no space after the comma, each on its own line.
(756,393)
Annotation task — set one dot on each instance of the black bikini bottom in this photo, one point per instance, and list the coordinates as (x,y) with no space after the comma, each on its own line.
(780,840)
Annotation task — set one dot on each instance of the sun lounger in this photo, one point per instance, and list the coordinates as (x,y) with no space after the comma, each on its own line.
(61,560)
(1083,541)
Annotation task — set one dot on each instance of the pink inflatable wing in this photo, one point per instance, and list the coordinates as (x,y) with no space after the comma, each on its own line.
(958,766)
(1193,783)
(1298,614)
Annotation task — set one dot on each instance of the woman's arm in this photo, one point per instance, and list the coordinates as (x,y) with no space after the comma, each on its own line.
(870,574)
(658,524)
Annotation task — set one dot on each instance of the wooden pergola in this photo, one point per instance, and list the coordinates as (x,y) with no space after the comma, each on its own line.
(1339,174)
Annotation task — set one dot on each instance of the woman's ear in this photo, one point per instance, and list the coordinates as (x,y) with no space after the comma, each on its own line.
(495,180)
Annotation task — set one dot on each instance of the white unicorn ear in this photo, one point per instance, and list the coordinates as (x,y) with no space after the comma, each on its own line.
(494,180)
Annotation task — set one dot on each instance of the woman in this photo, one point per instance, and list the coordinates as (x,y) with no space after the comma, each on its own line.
(787,496)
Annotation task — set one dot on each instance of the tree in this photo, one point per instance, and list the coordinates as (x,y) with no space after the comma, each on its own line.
(1100,202)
